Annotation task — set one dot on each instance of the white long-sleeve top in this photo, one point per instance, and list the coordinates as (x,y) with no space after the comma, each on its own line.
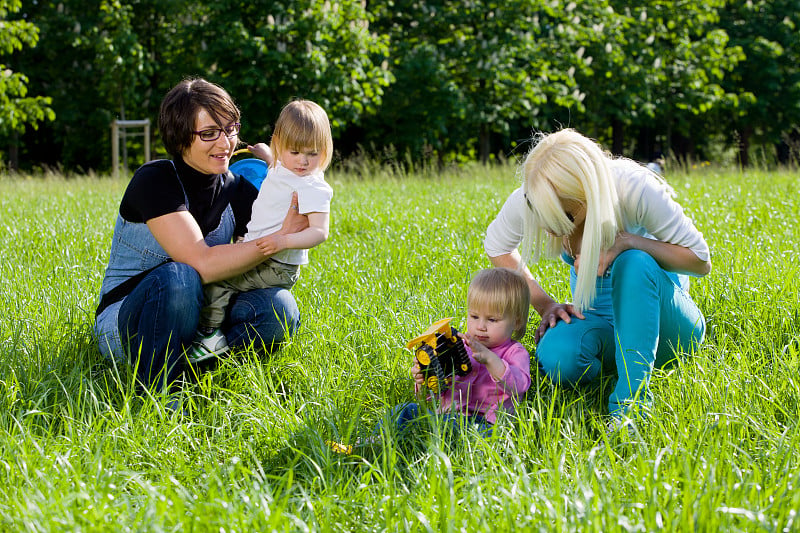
(646,203)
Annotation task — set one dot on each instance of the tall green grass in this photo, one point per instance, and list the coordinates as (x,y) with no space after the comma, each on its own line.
(79,450)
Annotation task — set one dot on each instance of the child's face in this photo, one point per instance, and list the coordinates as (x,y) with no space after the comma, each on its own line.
(302,162)
(490,329)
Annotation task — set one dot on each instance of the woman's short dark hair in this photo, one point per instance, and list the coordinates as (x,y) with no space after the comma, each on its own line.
(179,110)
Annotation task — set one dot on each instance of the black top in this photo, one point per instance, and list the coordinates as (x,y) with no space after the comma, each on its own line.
(154,191)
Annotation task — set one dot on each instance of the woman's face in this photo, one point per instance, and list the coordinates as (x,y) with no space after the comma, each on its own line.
(575,211)
(210,157)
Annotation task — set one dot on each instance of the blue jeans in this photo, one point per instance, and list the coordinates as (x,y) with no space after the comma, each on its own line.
(642,321)
(159,318)
(406,415)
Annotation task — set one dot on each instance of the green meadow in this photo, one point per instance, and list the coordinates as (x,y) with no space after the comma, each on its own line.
(80,450)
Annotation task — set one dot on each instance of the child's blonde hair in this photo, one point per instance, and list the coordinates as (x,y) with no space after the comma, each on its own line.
(565,165)
(303,125)
(502,291)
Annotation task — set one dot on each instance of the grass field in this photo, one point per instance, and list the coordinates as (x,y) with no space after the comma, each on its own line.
(79,451)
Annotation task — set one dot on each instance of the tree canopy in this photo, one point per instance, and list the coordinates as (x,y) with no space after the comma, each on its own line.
(18,111)
(451,80)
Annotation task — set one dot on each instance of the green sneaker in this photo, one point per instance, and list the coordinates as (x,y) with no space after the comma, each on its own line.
(208,347)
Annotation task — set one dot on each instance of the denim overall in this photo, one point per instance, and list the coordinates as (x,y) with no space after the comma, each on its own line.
(135,250)
(150,326)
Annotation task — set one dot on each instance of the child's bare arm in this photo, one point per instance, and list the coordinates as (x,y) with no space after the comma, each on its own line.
(314,234)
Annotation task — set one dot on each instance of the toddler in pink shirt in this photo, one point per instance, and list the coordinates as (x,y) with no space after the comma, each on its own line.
(498,300)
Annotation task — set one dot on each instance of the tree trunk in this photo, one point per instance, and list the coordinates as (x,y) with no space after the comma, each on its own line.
(617,136)
(484,144)
(13,153)
(646,145)
(744,146)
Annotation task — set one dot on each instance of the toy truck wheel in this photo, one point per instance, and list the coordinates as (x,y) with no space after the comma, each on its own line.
(424,354)
(462,359)
(438,371)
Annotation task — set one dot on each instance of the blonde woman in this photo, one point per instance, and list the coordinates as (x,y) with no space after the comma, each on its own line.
(631,250)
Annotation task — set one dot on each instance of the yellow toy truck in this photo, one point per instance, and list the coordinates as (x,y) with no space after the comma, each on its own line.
(441,355)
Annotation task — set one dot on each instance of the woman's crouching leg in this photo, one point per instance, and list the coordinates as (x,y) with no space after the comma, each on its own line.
(573,354)
(263,318)
(158,319)
(655,320)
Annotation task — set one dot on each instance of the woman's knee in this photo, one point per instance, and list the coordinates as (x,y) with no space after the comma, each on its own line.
(182,287)
(270,315)
(286,310)
(635,275)
(633,262)
(569,357)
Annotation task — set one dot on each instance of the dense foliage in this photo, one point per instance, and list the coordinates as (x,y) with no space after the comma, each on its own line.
(17,109)
(448,80)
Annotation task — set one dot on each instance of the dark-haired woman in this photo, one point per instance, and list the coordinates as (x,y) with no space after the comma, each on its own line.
(175,231)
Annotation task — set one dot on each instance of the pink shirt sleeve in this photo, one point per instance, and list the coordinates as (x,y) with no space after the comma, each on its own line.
(516,379)
(480,393)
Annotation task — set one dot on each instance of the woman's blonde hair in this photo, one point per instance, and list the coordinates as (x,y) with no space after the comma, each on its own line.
(566,165)
(303,124)
(502,291)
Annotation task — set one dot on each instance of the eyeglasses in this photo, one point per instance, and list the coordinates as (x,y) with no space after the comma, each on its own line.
(212,134)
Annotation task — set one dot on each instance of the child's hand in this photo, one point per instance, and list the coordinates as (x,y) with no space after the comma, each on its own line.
(271,244)
(480,353)
(262,151)
(485,356)
(416,373)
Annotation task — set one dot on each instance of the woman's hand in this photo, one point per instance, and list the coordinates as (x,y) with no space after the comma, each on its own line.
(293,222)
(671,257)
(622,242)
(552,314)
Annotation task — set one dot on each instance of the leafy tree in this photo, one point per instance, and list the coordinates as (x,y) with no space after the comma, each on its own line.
(768,80)
(18,111)
(445,78)
(107,59)
(658,64)
(101,60)
(494,63)
(267,52)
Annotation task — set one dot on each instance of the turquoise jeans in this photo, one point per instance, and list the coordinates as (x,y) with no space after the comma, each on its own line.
(642,318)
